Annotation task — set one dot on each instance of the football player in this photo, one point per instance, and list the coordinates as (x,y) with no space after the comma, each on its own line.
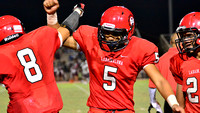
(163,67)
(26,62)
(115,57)
(185,66)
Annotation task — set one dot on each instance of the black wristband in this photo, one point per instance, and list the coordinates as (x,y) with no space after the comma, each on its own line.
(71,22)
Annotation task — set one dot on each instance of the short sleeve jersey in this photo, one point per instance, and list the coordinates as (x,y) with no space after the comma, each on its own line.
(26,69)
(113,74)
(186,71)
(163,67)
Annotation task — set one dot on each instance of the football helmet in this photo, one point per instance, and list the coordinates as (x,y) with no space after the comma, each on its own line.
(119,21)
(10,29)
(188,33)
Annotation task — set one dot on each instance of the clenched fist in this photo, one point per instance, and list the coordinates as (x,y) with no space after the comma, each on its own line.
(51,6)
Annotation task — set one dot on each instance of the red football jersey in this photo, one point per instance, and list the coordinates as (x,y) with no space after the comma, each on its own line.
(186,72)
(113,74)
(163,67)
(26,69)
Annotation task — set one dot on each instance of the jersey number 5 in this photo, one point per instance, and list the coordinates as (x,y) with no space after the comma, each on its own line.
(29,65)
(109,78)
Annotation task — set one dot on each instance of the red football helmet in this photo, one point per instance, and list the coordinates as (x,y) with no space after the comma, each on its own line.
(10,28)
(188,33)
(120,21)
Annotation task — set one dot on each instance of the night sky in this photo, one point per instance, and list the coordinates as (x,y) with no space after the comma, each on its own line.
(151,16)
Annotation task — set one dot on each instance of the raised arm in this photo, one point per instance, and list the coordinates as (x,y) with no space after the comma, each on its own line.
(69,25)
(51,6)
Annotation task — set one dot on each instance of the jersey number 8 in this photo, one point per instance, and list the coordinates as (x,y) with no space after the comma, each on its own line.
(29,65)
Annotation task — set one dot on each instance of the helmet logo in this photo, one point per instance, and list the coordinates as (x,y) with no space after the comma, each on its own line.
(131,21)
(108,25)
(11,37)
(17,28)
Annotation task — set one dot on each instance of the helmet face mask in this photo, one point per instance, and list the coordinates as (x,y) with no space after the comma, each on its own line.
(116,21)
(115,45)
(187,39)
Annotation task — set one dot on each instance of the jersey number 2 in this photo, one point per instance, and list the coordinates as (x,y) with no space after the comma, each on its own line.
(29,65)
(194,89)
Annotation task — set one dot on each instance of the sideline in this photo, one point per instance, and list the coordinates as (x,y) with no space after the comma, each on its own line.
(74,83)
(82,89)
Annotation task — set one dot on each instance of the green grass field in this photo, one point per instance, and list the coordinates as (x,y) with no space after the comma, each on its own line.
(75,97)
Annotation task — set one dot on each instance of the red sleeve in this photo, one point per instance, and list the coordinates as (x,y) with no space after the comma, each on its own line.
(78,37)
(86,37)
(48,36)
(83,36)
(175,63)
(151,53)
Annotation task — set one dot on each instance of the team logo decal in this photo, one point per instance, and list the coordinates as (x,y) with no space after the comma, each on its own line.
(17,28)
(108,25)
(131,20)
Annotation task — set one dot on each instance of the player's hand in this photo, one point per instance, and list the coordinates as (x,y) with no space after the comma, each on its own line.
(177,109)
(79,7)
(50,6)
(155,105)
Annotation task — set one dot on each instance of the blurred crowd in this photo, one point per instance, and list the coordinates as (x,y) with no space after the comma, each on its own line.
(70,65)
